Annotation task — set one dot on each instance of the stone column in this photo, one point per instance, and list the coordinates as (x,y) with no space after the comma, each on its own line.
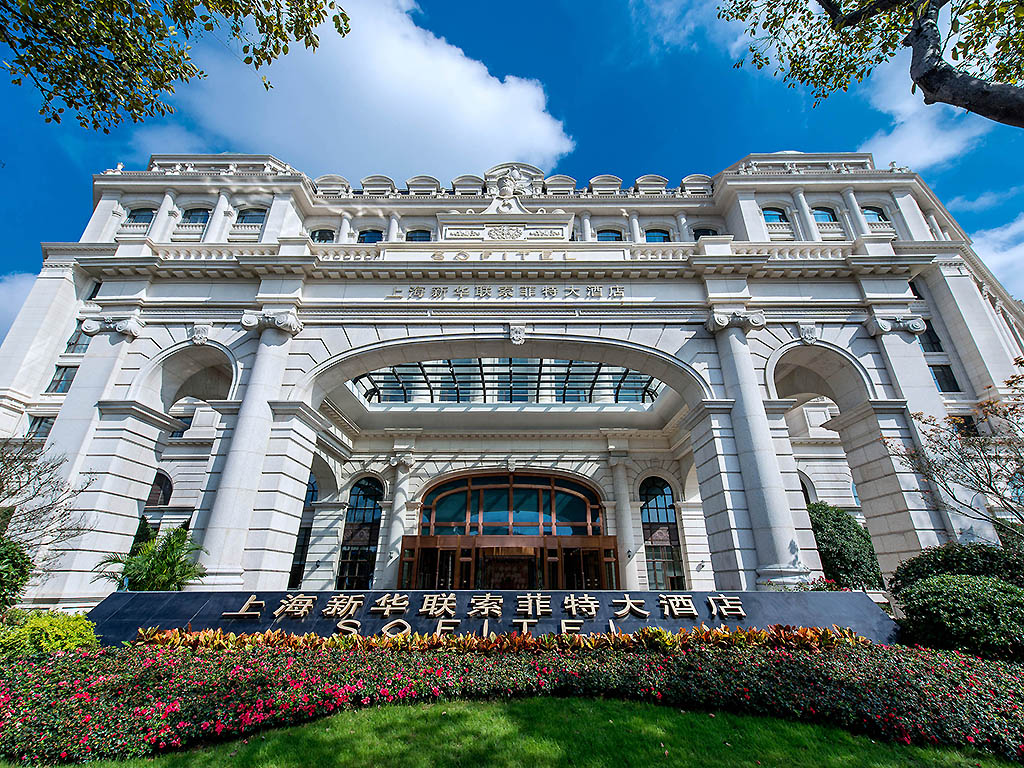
(390,559)
(220,220)
(165,219)
(106,219)
(625,525)
(345,230)
(684,229)
(587,230)
(915,225)
(634,227)
(693,536)
(775,538)
(229,523)
(860,223)
(392,235)
(806,217)
(933,225)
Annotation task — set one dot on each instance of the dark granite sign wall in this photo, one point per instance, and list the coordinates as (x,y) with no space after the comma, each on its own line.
(374,612)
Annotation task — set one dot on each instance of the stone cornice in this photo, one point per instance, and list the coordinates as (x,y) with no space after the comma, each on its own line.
(141,412)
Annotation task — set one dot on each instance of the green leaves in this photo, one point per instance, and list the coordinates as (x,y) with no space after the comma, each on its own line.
(167,563)
(108,60)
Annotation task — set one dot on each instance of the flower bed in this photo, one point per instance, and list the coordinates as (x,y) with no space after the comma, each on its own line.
(138,700)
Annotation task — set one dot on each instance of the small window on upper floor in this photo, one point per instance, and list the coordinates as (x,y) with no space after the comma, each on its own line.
(772,216)
(944,378)
(609,235)
(39,427)
(94,291)
(824,214)
(871,213)
(656,236)
(418,236)
(916,290)
(371,236)
(703,232)
(160,491)
(322,235)
(196,216)
(930,341)
(78,342)
(63,375)
(251,216)
(140,216)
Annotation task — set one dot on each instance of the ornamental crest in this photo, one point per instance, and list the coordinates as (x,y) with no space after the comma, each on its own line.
(505,232)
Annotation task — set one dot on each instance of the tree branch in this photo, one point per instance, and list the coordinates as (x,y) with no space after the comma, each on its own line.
(941,82)
(842,20)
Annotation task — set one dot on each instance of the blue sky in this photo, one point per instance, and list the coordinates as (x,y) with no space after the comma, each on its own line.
(579,87)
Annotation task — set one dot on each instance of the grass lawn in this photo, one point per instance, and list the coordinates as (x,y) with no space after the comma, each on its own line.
(547,732)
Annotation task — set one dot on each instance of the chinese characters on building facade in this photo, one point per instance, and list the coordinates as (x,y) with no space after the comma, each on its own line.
(484,292)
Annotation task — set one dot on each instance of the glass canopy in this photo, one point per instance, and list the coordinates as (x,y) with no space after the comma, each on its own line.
(506,380)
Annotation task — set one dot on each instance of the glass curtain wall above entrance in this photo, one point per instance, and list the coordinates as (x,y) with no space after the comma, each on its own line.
(506,380)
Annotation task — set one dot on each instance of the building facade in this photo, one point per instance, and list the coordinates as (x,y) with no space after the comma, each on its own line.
(509,382)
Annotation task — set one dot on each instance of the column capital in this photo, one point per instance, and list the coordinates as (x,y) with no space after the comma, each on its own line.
(130,327)
(879,325)
(287,321)
(400,460)
(747,321)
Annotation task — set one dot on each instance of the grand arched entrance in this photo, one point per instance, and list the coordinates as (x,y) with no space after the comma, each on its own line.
(512,530)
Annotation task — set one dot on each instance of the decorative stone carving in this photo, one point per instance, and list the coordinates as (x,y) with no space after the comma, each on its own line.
(748,321)
(402,460)
(511,464)
(512,182)
(200,334)
(287,321)
(893,168)
(910,323)
(129,327)
(505,232)
(808,333)
(517,334)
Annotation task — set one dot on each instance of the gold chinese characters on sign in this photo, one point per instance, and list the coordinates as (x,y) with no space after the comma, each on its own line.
(507,292)
(441,610)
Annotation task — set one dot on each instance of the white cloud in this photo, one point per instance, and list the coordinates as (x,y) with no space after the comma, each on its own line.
(1002,249)
(921,135)
(983,201)
(675,23)
(390,98)
(13,290)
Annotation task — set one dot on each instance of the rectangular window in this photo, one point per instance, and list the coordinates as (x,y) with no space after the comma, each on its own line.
(299,558)
(355,567)
(62,378)
(930,340)
(664,568)
(944,378)
(39,427)
(181,432)
(78,343)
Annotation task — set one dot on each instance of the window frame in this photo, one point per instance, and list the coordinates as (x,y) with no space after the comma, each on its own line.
(131,217)
(419,236)
(699,232)
(78,341)
(205,222)
(667,235)
(875,210)
(370,236)
(62,380)
(36,424)
(943,375)
(833,217)
(610,235)
(779,215)
(244,212)
(317,235)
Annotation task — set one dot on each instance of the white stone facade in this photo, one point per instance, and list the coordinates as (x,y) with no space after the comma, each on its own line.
(797,309)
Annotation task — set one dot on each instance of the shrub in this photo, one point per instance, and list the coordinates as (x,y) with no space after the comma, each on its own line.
(954,559)
(976,614)
(15,568)
(41,632)
(139,700)
(166,563)
(847,554)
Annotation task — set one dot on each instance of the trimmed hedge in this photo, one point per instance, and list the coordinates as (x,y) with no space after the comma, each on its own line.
(954,559)
(35,632)
(847,554)
(976,614)
(15,569)
(139,700)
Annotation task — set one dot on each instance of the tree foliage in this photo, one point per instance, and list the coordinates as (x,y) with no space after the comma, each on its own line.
(953,559)
(977,464)
(167,563)
(847,555)
(105,60)
(36,500)
(15,569)
(972,58)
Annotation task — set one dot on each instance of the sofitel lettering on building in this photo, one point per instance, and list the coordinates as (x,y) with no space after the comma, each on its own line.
(512,382)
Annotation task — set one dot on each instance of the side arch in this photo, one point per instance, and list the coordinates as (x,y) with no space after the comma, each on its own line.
(821,368)
(206,371)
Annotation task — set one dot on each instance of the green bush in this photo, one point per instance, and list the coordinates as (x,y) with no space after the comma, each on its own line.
(847,555)
(954,559)
(41,632)
(975,614)
(15,568)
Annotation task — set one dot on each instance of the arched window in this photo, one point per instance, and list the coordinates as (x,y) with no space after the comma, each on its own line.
(251,216)
(872,213)
(371,236)
(418,236)
(661,535)
(703,232)
(322,236)
(774,215)
(160,491)
(609,235)
(657,236)
(824,214)
(359,540)
(510,504)
(195,216)
(141,216)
